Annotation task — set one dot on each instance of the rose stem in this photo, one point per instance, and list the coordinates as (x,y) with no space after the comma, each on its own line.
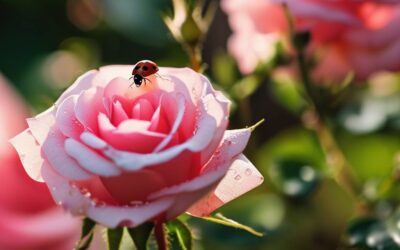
(194,53)
(159,233)
(313,118)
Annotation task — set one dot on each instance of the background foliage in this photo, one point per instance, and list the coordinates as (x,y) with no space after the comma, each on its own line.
(46,44)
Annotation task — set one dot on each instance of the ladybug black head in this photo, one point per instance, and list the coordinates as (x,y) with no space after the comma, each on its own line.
(138,79)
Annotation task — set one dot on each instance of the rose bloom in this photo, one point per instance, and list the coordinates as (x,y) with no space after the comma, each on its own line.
(122,155)
(29,219)
(347,35)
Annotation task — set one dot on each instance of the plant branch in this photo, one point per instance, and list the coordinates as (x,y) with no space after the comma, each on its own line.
(314,119)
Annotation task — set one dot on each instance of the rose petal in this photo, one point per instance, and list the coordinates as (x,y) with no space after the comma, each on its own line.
(205,133)
(66,120)
(83,82)
(134,186)
(29,152)
(118,113)
(242,177)
(89,105)
(220,107)
(53,151)
(180,103)
(41,124)
(233,144)
(131,140)
(142,110)
(90,160)
(110,216)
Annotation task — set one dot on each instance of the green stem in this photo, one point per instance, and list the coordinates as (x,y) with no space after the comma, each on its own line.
(194,53)
(341,169)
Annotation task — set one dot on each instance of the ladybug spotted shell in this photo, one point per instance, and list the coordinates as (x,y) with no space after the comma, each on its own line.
(145,68)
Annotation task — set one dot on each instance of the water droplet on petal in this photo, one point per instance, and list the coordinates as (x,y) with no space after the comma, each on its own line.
(238,177)
(248,171)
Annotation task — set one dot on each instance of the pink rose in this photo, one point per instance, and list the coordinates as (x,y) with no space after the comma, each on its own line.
(124,155)
(29,218)
(358,36)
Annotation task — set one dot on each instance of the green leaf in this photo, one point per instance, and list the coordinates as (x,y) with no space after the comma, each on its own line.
(86,235)
(87,227)
(140,235)
(220,219)
(245,87)
(84,244)
(182,233)
(114,237)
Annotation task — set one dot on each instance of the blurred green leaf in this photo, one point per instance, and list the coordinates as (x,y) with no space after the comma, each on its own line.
(140,235)
(372,156)
(295,177)
(224,69)
(291,143)
(358,231)
(286,91)
(114,237)
(245,87)
(372,234)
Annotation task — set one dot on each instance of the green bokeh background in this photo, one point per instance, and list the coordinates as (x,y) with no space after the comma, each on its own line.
(45,45)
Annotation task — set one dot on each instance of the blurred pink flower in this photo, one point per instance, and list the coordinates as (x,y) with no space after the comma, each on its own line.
(28,217)
(124,155)
(347,35)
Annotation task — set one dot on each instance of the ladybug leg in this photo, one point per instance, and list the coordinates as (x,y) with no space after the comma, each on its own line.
(163,78)
(146,79)
(130,78)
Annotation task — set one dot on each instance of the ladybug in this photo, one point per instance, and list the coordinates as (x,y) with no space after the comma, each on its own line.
(141,70)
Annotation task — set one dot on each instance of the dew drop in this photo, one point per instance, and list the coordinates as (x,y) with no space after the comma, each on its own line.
(238,177)
(248,171)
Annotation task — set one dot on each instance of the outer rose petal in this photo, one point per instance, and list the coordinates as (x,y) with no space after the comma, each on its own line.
(110,216)
(242,177)
(83,82)
(189,192)
(90,160)
(29,153)
(66,120)
(41,124)
(233,144)
(53,151)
